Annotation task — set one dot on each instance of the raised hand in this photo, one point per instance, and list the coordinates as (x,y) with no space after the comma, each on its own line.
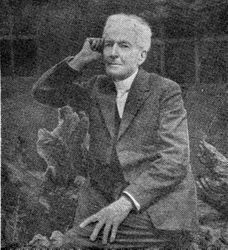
(91,51)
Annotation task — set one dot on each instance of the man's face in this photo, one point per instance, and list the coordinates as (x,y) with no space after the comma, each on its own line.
(122,55)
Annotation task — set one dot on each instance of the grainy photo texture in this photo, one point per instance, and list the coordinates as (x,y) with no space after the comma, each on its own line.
(114,127)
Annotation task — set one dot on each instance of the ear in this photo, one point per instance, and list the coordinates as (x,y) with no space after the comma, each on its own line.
(142,57)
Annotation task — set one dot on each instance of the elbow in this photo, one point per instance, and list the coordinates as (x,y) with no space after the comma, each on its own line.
(35,93)
(50,98)
(39,95)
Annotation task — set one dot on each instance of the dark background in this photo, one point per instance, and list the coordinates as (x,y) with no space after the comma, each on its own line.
(189,46)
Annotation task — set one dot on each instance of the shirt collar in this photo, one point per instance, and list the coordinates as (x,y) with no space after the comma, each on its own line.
(125,85)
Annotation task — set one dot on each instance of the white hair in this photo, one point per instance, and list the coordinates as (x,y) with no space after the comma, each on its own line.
(138,24)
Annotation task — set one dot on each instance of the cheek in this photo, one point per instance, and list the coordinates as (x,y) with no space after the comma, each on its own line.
(132,61)
(105,53)
(128,58)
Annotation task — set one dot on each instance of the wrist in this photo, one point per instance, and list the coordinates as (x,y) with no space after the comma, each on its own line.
(126,202)
(77,63)
(135,207)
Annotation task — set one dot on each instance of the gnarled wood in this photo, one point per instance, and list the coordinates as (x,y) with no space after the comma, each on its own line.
(213,187)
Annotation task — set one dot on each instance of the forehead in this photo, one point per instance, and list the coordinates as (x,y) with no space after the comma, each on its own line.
(120,32)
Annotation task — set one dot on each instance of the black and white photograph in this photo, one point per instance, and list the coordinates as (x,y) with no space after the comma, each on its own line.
(114,124)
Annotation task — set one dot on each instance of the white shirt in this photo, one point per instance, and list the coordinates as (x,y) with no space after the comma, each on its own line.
(123,88)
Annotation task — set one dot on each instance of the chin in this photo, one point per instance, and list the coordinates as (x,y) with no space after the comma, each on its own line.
(115,74)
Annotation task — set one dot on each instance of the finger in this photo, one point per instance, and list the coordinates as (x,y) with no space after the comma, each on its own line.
(106,233)
(114,231)
(96,230)
(89,220)
(89,41)
(99,45)
(201,147)
(93,43)
(96,44)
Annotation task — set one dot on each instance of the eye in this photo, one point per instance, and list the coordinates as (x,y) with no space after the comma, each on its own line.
(108,44)
(124,45)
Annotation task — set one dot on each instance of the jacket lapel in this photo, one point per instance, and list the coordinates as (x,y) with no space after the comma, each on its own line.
(107,101)
(139,92)
(106,95)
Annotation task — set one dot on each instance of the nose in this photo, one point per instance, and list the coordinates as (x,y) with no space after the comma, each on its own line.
(114,52)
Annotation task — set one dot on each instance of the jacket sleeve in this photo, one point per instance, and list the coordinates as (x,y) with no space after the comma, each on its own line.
(172,158)
(56,87)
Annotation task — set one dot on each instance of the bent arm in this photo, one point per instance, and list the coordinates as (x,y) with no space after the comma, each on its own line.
(172,164)
(56,88)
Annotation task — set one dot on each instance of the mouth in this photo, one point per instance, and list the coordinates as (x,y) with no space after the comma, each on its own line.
(113,64)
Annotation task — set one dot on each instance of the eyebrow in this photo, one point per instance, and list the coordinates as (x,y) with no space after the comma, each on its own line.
(120,41)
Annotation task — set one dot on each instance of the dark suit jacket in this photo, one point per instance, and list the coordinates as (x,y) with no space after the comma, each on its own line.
(153,143)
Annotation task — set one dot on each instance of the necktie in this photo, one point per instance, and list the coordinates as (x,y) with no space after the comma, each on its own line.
(116,125)
(114,159)
(117,121)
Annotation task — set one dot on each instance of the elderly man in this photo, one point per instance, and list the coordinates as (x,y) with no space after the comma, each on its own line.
(138,130)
